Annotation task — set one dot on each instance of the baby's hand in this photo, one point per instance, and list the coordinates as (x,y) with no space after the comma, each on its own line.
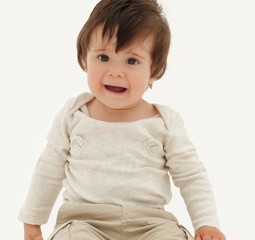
(209,233)
(32,232)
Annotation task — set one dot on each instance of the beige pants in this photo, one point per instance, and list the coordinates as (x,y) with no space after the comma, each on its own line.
(111,222)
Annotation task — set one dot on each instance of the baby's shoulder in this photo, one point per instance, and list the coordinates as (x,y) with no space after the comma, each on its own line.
(169,115)
(75,103)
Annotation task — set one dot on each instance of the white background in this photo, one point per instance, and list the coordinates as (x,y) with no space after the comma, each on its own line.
(209,81)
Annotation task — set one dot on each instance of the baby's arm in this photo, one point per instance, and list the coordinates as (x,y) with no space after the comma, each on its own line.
(204,233)
(189,174)
(32,232)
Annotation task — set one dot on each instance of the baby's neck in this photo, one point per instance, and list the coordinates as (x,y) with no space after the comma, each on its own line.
(141,110)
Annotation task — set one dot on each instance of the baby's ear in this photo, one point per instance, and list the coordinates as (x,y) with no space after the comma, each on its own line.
(84,64)
(150,84)
(160,73)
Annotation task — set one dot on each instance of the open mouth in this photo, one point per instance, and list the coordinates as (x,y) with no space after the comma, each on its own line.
(115,89)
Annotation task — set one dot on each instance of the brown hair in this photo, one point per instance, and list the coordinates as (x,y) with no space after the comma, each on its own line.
(133,20)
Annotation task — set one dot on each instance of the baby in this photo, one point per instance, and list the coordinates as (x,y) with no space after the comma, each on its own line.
(111,150)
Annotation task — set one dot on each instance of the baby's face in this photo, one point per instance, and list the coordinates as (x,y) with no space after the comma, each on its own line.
(118,80)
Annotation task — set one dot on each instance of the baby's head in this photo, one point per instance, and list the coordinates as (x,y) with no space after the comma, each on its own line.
(132,21)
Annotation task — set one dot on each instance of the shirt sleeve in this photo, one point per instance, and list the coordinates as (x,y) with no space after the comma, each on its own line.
(189,175)
(49,173)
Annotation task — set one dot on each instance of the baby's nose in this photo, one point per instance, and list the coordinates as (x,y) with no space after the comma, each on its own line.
(115,71)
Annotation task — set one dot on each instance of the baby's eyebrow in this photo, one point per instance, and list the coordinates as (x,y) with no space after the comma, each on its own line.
(99,50)
(136,54)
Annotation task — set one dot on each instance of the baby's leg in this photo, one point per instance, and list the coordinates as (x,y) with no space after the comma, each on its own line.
(79,230)
(167,231)
(87,221)
(141,223)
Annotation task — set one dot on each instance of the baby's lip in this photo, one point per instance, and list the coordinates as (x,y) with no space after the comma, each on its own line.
(115,89)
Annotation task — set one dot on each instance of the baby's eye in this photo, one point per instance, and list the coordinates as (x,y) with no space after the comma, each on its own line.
(132,61)
(103,58)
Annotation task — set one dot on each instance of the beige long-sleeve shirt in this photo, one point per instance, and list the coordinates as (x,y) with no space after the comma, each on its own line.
(123,163)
